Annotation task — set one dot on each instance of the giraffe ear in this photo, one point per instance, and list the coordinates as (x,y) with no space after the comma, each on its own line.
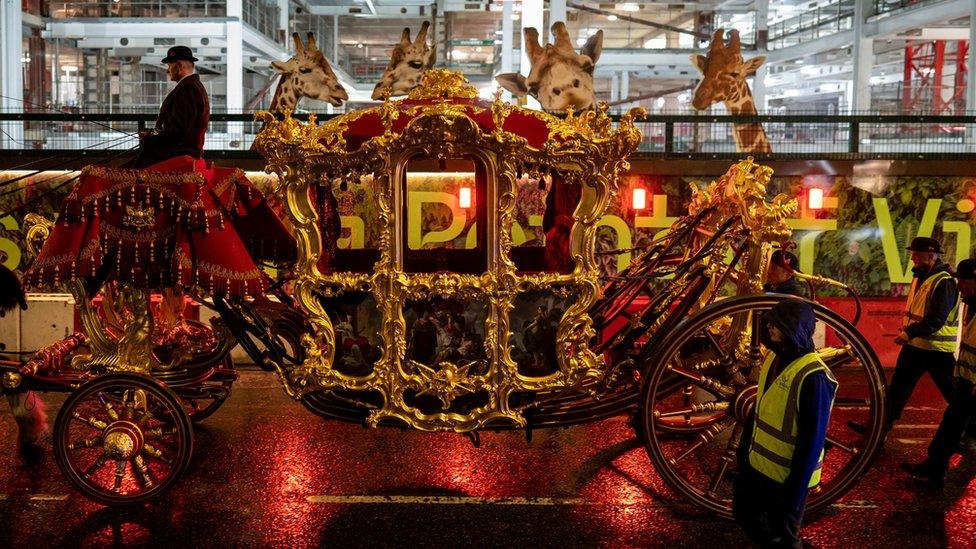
(431,57)
(751,66)
(513,82)
(594,46)
(699,61)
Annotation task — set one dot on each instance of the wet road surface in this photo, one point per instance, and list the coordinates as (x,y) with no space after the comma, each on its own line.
(266,472)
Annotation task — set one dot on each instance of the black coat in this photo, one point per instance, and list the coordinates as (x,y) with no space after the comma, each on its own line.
(181,126)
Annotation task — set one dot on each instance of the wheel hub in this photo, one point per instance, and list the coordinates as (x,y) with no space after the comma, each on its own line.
(123,440)
(745,401)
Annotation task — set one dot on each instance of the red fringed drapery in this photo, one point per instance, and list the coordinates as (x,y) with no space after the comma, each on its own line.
(176,223)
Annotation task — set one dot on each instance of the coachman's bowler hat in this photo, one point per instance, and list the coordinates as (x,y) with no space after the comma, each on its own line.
(966,270)
(179,53)
(925,244)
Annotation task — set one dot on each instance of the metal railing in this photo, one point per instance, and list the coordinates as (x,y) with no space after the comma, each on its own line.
(888,7)
(812,24)
(145,8)
(683,135)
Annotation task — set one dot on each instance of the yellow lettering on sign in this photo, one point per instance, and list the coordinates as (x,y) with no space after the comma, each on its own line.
(9,246)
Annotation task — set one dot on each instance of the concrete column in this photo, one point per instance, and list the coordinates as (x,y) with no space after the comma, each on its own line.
(863,56)
(335,41)
(532,16)
(624,85)
(11,70)
(235,69)
(759,88)
(283,21)
(614,88)
(557,12)
(508,46)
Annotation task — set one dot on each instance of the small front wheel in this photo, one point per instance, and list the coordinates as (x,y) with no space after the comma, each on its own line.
(122,439)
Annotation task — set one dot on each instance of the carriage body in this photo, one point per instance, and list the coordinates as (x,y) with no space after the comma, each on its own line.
(406,286)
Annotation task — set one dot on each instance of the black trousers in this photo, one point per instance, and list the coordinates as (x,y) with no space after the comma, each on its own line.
(759,507)
(957,416)
(911,365)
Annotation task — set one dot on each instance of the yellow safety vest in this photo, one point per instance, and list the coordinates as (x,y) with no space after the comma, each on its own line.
(944,339)
(774,437)
(966,363)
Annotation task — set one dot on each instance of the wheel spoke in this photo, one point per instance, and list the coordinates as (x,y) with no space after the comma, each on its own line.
(142,472)
(158,432)
(99,462)
(112,414)
(87,443)
(702,408)
(154,452)
(705,382)
(119,475)
(90,421)
(841,446)
(714,342)
(705,437)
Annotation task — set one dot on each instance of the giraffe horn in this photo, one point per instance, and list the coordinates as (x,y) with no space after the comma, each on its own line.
(299,47)
(718,42)
(422,35)
(531,41)
(311,42)
(734,43)
(563,41)
(405,37)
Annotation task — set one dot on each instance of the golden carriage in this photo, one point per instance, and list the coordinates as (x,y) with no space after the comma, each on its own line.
(496,331)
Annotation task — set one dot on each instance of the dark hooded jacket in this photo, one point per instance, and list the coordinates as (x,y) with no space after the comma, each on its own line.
(790,287)
(795,318)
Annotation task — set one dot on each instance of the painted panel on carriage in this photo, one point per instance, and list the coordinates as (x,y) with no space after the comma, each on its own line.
(858,236)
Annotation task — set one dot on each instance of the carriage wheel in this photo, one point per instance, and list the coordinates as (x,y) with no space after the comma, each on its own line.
(706,354)
(122,439)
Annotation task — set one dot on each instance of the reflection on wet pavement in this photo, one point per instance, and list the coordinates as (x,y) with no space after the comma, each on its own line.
(266,472)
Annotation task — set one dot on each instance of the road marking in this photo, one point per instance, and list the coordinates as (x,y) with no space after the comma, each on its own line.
(48,497)
(857,504)
(467,500)
(917,426)
(912,440)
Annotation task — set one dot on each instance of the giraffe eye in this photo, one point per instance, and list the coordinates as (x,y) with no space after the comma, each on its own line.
(556,91)
(415,64)
(305,70)
(734,74)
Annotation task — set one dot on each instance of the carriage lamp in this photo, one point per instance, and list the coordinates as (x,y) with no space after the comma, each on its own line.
(815,199)
(464,197)
(640,199)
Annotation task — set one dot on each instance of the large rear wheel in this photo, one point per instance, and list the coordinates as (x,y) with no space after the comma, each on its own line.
(717,353)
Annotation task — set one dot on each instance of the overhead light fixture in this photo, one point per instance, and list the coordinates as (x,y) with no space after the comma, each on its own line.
(611,17)
(359,45)
(499,31)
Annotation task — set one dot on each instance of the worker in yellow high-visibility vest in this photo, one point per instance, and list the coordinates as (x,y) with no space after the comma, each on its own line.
(782,446)
(962,403)
(929,331)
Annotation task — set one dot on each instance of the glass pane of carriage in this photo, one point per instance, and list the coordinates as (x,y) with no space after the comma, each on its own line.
(445,204)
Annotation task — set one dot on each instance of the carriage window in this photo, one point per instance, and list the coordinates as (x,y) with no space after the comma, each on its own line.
(354,226)
(542,222)
(444,202)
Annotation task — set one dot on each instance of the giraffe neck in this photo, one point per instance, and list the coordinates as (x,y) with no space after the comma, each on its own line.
(750,136)
(285,96)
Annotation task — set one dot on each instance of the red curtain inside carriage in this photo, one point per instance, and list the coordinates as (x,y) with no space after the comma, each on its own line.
(176,223)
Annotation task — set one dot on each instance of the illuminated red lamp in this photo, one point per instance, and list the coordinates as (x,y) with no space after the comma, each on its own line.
(640,199)
(464,197)
(815,199)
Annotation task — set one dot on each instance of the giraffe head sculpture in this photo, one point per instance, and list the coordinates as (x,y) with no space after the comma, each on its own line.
(724,74)
(559,77)
(409,60)
(307,74)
